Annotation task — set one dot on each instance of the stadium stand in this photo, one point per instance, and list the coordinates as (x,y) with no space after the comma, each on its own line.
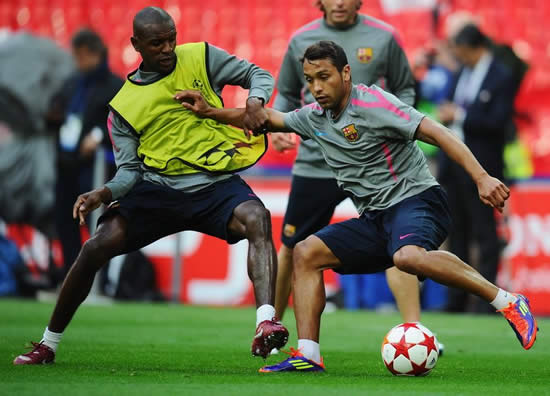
(259,30)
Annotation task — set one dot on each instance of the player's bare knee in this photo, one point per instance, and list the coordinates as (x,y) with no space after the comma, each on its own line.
(104,245)
(305,256)
(259,214)
(258,222)
(90,253)
(409,259)
(299,255)
(92,250)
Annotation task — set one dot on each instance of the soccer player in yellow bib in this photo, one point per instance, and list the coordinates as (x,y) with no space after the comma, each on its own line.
(176,172)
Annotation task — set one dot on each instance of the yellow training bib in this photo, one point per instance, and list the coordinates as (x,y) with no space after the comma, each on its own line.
(173,140)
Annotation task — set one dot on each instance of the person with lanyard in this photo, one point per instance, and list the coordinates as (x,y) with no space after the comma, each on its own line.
(84,130)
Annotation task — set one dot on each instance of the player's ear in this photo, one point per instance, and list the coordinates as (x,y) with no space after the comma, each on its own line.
(346,73)
(135,43)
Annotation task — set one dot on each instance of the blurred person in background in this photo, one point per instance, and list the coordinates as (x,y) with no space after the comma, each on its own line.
(32,72)
(376,57)
(479,112)
(86,96)
(434,69)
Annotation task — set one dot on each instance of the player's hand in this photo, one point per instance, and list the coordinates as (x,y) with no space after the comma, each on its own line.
(87,202)
(194,101)
(283,141)
(255,117)
(492,192)
(446,112)
(89,146)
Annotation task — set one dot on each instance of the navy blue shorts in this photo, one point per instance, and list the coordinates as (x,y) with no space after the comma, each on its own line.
(366,244)
(310,207)
(153,211)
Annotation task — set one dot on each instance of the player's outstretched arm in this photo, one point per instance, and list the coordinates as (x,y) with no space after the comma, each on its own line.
(194,101)
(276,121)
(491,191)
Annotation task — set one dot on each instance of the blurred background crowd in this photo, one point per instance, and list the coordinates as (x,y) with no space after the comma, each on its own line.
(61,62)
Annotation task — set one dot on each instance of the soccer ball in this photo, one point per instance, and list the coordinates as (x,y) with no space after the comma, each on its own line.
(410,349)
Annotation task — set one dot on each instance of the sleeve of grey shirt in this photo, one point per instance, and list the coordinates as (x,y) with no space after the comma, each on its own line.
(289,85)
(399,75)
(125,145)
(226,69)
(298,121)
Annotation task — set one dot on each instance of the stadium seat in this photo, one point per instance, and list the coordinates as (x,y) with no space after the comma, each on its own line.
(7,15)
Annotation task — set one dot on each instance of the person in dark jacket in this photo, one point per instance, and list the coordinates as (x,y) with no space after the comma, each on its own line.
(84,131)
(479,112)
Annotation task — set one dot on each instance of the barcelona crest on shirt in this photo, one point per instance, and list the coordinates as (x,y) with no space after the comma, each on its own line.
(350,133)
(289,230)
(364,55)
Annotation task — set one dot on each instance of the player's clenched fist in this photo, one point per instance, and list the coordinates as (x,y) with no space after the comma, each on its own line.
(492,191)
(255,117)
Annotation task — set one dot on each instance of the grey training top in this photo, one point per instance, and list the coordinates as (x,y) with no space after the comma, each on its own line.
(375,57)
(370,147)
(224,69)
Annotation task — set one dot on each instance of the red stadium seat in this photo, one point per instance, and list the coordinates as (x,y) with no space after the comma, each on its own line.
(7,15)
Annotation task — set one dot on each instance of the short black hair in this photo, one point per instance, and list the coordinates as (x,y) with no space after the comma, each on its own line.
(471,36)
(90,39)
(150,16)
(326,50)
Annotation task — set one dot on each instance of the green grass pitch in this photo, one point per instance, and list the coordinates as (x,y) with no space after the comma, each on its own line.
(141,349)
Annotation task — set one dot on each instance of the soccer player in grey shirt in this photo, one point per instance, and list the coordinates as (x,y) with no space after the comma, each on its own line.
(150,205)
(376,57)
(367,137)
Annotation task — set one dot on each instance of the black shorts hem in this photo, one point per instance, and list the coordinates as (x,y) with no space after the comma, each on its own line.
(153,211)
(354,265)
(367,244)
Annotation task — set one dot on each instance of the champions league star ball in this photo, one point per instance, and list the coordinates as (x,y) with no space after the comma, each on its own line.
(410,349)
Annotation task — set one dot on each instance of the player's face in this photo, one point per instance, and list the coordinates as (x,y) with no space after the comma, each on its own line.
(327,85)
(340,13)
(156,46)
(86,59)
